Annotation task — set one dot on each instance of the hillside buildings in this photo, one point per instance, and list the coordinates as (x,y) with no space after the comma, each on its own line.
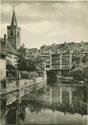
(60,56)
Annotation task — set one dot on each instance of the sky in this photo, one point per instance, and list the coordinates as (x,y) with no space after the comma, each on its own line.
(47,22)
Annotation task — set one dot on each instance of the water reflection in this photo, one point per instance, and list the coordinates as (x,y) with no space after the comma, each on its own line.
(2,111)
(52,104)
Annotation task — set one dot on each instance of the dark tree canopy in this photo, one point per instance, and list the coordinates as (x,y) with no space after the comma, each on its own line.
(27,64)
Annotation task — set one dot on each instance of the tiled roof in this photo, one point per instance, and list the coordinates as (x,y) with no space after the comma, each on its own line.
(45,49)
(2,46)
(9,48)
(64,47)
(6,46)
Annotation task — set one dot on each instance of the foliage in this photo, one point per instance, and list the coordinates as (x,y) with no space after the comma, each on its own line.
(27,64)
(23,63)
(77,74)
(76,59)
(80,76)
(84,60)
(24,75)
(77,71)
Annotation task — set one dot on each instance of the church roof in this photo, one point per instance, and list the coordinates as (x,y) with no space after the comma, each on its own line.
(14,21)
(9,48)
(2,47)
(6,46)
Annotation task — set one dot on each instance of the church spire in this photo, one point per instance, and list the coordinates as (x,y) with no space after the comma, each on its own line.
(14,31)
(14,21)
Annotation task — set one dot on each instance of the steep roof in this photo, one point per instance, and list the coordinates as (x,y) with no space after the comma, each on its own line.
(2,46)
(6,46)
(14,21)
(9,48)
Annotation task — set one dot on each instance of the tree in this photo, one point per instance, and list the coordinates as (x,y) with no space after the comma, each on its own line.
(32,63)
(21,62)
(84,60)
(39,64)
(77,74)
(22,52)
(76,58)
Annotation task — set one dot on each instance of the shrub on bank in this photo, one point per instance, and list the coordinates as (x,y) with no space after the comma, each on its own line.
(28,75)
(79,75)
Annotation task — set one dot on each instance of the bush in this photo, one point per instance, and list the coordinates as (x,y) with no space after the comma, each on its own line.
(24,75)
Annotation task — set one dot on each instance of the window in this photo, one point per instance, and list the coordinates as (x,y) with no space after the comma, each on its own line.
(18,34)
(11,32)
(47,66)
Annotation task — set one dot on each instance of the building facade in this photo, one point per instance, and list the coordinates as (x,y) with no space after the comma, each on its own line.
(8,54)
(60,57)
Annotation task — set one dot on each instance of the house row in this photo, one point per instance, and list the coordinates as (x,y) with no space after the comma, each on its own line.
(60,56)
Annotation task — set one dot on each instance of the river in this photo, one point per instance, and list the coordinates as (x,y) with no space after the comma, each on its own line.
(55,103)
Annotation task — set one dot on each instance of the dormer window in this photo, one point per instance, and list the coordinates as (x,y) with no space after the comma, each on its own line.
(11,32)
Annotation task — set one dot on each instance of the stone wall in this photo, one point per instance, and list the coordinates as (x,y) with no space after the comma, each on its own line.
(2,69)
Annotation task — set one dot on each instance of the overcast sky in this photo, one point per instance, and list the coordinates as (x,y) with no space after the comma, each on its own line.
(47,22)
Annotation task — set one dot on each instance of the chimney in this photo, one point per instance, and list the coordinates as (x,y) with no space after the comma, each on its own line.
(82,43)
(65,44)
(23,45)
(5,39)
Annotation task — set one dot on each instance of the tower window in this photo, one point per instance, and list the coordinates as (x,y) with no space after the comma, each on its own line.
(18,34)
(11,32)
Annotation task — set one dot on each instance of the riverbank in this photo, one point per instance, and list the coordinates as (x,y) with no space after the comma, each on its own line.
(21,84)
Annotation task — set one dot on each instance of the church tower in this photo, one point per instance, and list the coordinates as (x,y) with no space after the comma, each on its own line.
(14,33)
